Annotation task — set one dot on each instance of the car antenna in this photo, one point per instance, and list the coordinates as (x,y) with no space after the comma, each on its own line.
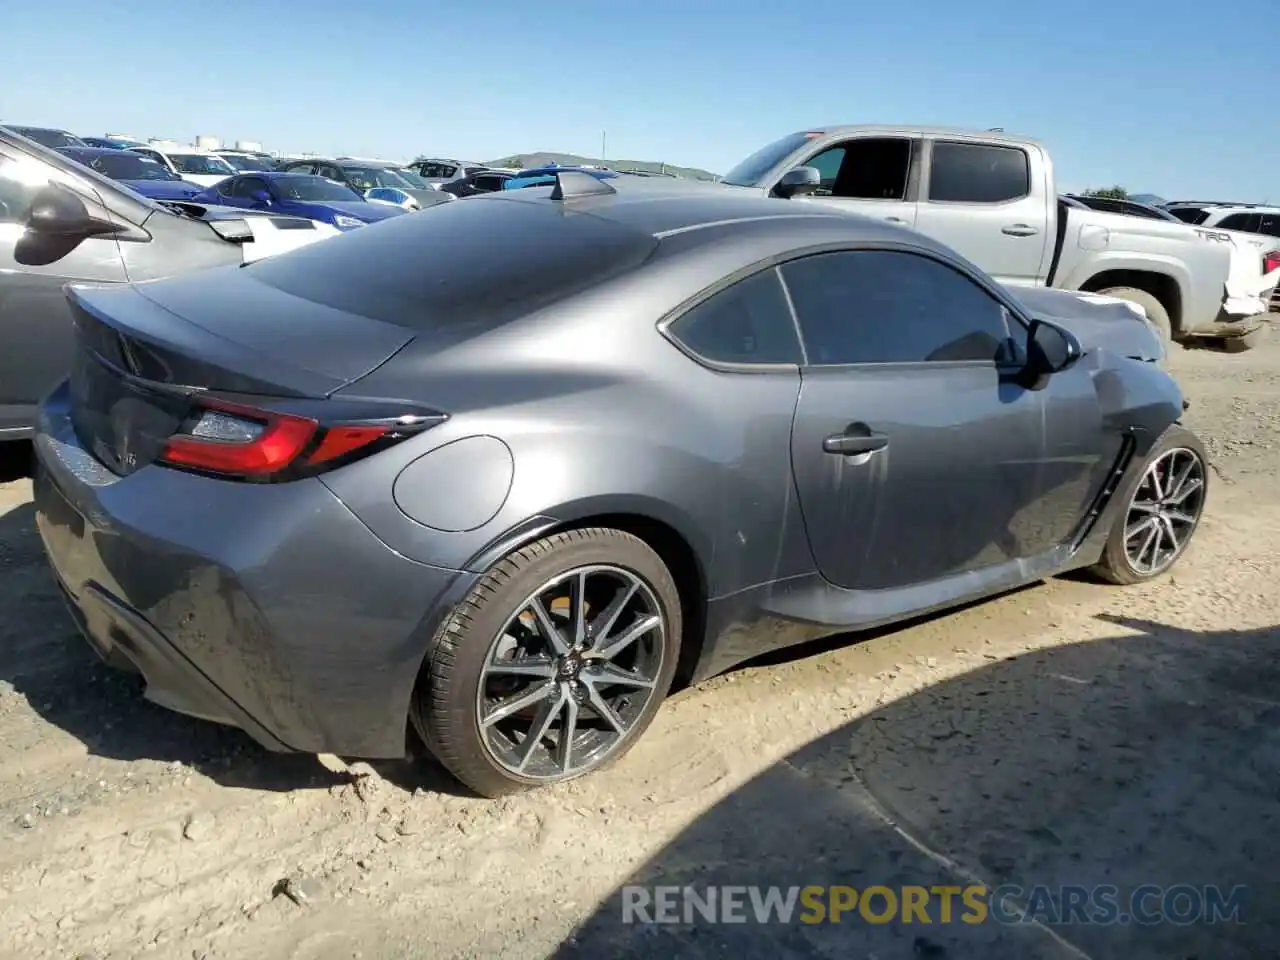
(572,184)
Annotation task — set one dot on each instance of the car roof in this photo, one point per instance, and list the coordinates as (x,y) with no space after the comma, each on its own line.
(662,207)
(93,151)
(511,254)
(27,126)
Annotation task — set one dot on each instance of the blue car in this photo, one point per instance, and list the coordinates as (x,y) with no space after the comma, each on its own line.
(541,176)
(300,194)
(137,172)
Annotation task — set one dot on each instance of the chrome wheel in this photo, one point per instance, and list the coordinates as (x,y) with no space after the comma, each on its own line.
(571,673)
(1164,511)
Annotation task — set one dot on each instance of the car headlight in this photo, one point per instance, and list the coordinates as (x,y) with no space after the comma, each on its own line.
(347,222)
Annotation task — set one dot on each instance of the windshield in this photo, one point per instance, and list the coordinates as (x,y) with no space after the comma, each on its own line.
(201,164)
(119,165)
(414,179)
(49,138)
(366,178)
(752,170)
(247,163)
(311,189)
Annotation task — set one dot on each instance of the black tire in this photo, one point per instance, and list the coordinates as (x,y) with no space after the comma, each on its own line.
(1115,565)
(1154,308)
(444,708)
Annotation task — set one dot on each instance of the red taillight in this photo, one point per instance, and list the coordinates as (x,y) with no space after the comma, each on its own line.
(1271,261)
(255,444)
(340,441)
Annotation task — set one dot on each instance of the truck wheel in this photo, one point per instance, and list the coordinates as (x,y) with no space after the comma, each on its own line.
(1154,308)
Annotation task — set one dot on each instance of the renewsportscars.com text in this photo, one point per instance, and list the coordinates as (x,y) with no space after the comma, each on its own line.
(1182,904)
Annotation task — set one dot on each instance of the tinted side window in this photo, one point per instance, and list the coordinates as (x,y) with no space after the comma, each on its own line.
(748,322)
(1192,215)
(248,186)
(879,306)
(1270,224)
(869,168)
(978,173)
(1249,222)
(300,167)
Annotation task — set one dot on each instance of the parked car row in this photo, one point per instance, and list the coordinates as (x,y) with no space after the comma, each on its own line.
(64,220)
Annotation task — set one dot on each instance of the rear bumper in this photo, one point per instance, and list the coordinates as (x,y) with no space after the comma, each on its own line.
(269,607)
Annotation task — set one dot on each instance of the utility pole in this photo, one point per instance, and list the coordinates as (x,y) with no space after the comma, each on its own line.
(604,135)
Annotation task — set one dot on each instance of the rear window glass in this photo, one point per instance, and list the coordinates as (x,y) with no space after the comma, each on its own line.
(459,269)
(437,169)
(1190,214)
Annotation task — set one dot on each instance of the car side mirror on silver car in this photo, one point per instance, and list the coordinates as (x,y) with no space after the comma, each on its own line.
(57,212)
(798,182)
(57,222)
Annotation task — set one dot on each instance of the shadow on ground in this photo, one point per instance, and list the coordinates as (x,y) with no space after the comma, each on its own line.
(44,658)
(1148,758)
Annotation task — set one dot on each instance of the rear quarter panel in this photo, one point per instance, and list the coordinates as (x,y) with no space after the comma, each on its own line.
(596,425)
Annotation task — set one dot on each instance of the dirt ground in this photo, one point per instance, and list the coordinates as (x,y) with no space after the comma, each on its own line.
(1068,733)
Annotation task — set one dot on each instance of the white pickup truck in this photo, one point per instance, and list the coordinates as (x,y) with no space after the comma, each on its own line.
(992,198)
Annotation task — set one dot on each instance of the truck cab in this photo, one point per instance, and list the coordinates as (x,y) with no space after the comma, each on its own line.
(986,195)
(992,198)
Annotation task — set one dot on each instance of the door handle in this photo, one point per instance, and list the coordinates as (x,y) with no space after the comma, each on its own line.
(896,220)
(1019,230)
(852,444)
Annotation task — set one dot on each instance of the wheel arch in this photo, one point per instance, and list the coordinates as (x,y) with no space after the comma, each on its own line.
(1162,286)
(670,533)
(664,529)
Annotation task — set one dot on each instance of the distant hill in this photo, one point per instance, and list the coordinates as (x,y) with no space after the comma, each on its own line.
(527,160)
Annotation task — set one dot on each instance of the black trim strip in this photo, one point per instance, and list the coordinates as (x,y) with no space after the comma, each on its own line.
(1127,447)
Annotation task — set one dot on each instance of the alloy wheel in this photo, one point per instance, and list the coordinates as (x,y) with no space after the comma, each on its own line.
(571,673)
(1164,511)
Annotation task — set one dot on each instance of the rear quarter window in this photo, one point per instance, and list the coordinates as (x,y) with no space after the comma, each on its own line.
(463,268)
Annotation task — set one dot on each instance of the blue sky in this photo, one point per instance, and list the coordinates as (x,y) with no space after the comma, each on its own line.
(1169,97)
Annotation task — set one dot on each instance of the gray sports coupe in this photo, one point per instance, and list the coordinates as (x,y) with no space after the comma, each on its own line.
(503,473)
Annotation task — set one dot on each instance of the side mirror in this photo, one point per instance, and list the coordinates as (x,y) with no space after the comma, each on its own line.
(262,197)
(798,182)
(60,213)
(1050,350)
(57,222)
